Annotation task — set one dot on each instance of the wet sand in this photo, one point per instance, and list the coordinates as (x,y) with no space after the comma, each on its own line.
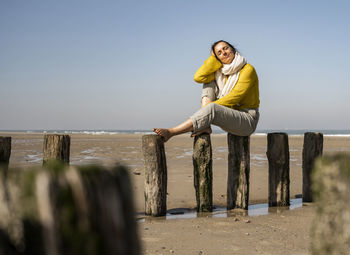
(278,232)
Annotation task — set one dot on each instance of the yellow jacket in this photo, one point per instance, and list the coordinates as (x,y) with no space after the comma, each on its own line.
(245,93)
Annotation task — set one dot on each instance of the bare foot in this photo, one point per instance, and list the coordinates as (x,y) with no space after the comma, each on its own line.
(206,130)
(163,132)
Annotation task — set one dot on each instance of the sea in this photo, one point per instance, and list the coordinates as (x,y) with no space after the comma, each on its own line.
(290,132)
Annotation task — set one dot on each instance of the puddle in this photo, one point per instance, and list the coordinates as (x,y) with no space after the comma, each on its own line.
(263,209)
(221,212)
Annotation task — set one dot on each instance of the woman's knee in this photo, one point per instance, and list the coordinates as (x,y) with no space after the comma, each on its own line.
(211,110)
(209,90)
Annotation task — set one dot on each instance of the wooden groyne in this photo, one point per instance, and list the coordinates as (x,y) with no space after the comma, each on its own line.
(56,148)
(238,170)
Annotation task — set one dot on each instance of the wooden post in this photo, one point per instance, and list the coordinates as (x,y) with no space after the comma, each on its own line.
(5,152)
(202,172)
(331,189)
(238,171)
(278,157)
(313,147)
(105,200)
(56,147)
(80,210)
(6,246)
(155,175)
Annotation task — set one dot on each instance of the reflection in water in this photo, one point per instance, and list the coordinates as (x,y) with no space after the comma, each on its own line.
(221,212)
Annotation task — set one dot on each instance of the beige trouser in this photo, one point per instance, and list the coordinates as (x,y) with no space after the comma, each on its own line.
(238,122)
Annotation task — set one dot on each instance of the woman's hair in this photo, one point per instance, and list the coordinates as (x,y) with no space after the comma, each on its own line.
(229,44)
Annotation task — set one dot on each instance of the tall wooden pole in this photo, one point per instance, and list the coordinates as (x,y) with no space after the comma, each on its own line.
(278,157)
(155,175)
(238,171)
(5,152)
(56,147)
(203,173)
(313,147)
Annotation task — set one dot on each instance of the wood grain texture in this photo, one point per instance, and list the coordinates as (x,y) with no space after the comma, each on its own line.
(155,175)
(76,210)
(203,172)
(278,157)
(312,148)
(238,171)
(56,147)
(331,189)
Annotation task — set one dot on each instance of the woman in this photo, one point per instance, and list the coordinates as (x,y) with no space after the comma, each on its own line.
(230,96)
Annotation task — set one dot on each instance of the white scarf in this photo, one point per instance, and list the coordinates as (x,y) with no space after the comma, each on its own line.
(232,70)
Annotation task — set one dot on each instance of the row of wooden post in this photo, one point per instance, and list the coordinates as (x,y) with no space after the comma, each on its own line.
(56,147)
(59,212)
(238,170)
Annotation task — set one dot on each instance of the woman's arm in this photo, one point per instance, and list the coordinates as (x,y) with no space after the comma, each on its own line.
(206,73)
(247,79)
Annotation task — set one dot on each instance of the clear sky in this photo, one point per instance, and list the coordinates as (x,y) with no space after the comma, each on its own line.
(129,64)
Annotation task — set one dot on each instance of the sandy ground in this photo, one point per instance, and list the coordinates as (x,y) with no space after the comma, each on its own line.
(276,231)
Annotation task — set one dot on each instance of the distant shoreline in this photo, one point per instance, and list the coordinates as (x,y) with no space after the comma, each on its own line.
(335,132)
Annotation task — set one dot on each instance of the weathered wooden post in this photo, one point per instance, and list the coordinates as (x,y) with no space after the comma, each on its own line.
(278,157)
(56,147)
(238,171)
(203,172)
(76,210)
(5,152)
(331,189)
(313,147)
(155,175)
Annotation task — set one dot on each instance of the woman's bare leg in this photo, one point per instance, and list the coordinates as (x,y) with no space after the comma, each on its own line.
(167,133)
(184,127)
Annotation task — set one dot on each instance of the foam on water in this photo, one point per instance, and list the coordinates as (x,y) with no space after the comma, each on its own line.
(259,157)
(221,149)
(33,158)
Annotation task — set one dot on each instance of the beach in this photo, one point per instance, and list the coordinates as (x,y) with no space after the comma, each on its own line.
(263,231)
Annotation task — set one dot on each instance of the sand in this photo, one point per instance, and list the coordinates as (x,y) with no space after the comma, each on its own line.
(276,231)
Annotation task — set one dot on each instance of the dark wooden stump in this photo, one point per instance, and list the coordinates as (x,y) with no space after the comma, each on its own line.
(56,147)
(331,189)
(85,210)
(313,147)
(278,157)
(155,175)
(5,152)
(108,207)
(238,171)
(202,172)
(6,246)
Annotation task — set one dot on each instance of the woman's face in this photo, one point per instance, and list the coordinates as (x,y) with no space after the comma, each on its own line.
(224,53)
